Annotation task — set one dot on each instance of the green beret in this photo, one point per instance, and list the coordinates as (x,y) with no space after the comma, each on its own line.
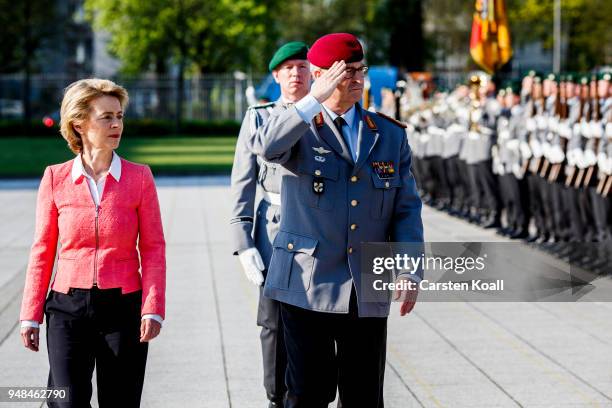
(570,77)
(605,76)
(291,50)
(552,77)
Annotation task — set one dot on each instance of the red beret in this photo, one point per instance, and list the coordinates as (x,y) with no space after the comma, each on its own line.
(335,47)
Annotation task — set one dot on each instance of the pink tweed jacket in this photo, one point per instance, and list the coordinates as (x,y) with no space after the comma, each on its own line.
(102,246)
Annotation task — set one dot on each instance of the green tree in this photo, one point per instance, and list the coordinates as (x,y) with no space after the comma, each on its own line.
(585,24)
(194,35)
(25,26)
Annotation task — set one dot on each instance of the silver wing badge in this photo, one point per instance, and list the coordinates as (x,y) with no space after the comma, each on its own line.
(321,150)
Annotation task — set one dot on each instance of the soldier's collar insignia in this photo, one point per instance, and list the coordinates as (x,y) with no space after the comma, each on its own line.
(394,121)
(319,121)
(383,169)
(370,123)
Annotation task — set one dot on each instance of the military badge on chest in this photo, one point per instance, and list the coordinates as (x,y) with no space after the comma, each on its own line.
(318,185)
(383,169)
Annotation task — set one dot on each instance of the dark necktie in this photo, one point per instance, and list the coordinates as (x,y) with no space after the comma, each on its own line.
(339,122)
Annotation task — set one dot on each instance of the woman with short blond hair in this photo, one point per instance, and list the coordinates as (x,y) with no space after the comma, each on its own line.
(107,299)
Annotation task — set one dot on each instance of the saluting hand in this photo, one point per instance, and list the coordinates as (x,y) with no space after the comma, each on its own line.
(324,86)
(30,337)
(149,329)
(407,297)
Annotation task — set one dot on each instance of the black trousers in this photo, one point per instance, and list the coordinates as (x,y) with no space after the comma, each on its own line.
(488,186)
(329,350)
(88,327)
(272,347)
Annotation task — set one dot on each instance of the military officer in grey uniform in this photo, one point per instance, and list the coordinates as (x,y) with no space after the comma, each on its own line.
(255,187)
(346,179)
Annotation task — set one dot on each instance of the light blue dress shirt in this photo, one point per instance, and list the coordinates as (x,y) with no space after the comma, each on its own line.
(308,108)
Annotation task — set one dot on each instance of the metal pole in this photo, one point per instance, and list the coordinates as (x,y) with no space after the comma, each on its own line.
(557,37)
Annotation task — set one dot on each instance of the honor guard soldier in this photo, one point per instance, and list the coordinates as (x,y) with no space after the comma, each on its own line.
(512,185)
(253,234)
(346,179)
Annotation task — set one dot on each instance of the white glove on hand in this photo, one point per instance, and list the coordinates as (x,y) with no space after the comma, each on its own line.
(526,152)
(585,129)
(589,158)
(513,145)
(597,129)
(564,130)
(252,265)
(536,148)
(602,162)
(556,154)
(572,156)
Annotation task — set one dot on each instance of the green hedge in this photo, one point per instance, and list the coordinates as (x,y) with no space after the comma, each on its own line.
(133,128)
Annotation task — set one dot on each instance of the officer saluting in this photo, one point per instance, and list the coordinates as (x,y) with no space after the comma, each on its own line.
(251,177)
(346,179)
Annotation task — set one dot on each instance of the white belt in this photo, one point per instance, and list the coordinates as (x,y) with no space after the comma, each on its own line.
(272,198)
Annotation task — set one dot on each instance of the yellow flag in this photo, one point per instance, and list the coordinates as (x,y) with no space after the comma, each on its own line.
(490,40)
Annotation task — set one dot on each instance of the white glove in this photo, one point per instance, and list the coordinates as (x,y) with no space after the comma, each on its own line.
(572,156)
(609,130)
(512,145)
(564,130)
(553,123)
(517,170)
(602,162)
(536,148)
(596,129)
(525,150)
(542,122)
(585,129)
(589,158)
(252,265)
(530,124)
(556,154)
(504,134)
(580,160)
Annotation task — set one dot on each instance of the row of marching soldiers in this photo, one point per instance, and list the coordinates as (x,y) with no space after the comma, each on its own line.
(535,162)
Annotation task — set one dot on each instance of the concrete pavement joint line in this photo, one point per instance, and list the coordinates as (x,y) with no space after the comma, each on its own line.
(521,349)
(549,358)
(574,325)
(462,354)
(424,384)
(217,311)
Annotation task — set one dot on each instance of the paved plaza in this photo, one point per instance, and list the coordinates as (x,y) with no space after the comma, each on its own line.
(208,354)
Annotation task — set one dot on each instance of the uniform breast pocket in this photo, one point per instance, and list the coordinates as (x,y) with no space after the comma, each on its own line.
(292,262)
(318,182)
(383,198)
